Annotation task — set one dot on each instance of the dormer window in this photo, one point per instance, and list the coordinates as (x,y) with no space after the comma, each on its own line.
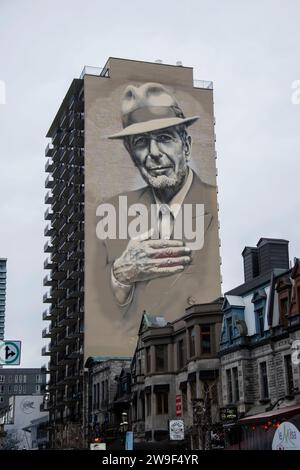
(260,321)
(259,300)
(229,329)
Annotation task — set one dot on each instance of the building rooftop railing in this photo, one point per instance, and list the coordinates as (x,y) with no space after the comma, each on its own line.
(102,72)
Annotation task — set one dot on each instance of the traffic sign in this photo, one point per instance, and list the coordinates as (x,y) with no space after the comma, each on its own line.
(10,353)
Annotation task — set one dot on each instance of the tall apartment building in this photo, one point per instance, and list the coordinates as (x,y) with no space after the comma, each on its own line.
(2,295)
(75,315)
(65,182)
(20,381)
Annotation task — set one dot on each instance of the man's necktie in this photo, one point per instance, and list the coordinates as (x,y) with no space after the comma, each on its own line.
(166,222)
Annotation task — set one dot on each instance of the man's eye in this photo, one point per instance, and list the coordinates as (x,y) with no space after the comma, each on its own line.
(142,141)
(164,138)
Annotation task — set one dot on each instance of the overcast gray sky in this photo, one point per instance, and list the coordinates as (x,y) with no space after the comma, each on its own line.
(250,50)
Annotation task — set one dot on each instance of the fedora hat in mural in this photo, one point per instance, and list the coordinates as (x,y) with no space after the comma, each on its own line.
(148,108)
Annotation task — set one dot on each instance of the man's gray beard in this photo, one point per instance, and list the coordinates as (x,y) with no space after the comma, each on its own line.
(163,182)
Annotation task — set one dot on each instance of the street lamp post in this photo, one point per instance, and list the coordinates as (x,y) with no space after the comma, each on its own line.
(124,427)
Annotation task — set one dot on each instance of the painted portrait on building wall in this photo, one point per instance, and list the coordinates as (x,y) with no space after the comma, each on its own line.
(156,244)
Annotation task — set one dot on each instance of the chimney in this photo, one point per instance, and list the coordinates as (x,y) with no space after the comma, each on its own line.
(273,253)
(251,265)
(269,254)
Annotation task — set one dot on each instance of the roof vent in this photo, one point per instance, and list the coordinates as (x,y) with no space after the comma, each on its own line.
(179,63)
(158,61)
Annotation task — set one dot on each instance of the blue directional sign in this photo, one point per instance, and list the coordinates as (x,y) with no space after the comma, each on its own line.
(10,353)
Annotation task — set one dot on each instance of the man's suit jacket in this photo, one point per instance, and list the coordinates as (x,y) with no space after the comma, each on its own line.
(168,296)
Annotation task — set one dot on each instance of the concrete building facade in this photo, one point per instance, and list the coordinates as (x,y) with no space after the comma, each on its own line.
(83,168)
(20,381)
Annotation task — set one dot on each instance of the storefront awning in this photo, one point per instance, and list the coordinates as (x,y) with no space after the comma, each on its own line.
(286,411)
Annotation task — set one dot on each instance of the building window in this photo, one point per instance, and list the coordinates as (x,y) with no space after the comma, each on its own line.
(148,360)
(94,396)
(162,399)
(1,388)
(20,379)
(16,388)
(16,379)
(236,388)
(10,378)
(139,366)
(102,392)
(161,357)
(24,379)
(264,380)
(298,297)
(148,404)
(193,390)
(24,389)
(181,358)
(97,397)
(229,386)
(20,388)
(260,322)
(229,330)
(106,390)
(1,399)
(284,307)
(288,375)
(205,338)
(38,378)
(2,378)
(192,336)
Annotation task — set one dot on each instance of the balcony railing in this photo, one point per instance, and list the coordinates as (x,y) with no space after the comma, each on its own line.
(205,84)
(49,150)
(89,70)
(49,183)
(46,351)
(49,166)
(46,333)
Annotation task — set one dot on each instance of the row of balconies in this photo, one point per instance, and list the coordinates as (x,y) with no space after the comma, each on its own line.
(67,156)
(59,291)
(59,345)
(50,314)
(69,138)
(70,175)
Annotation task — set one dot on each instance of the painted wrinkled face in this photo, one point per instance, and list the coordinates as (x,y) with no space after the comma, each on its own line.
(161,157)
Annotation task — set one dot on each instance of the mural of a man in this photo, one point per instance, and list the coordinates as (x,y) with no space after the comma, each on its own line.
(161,274)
